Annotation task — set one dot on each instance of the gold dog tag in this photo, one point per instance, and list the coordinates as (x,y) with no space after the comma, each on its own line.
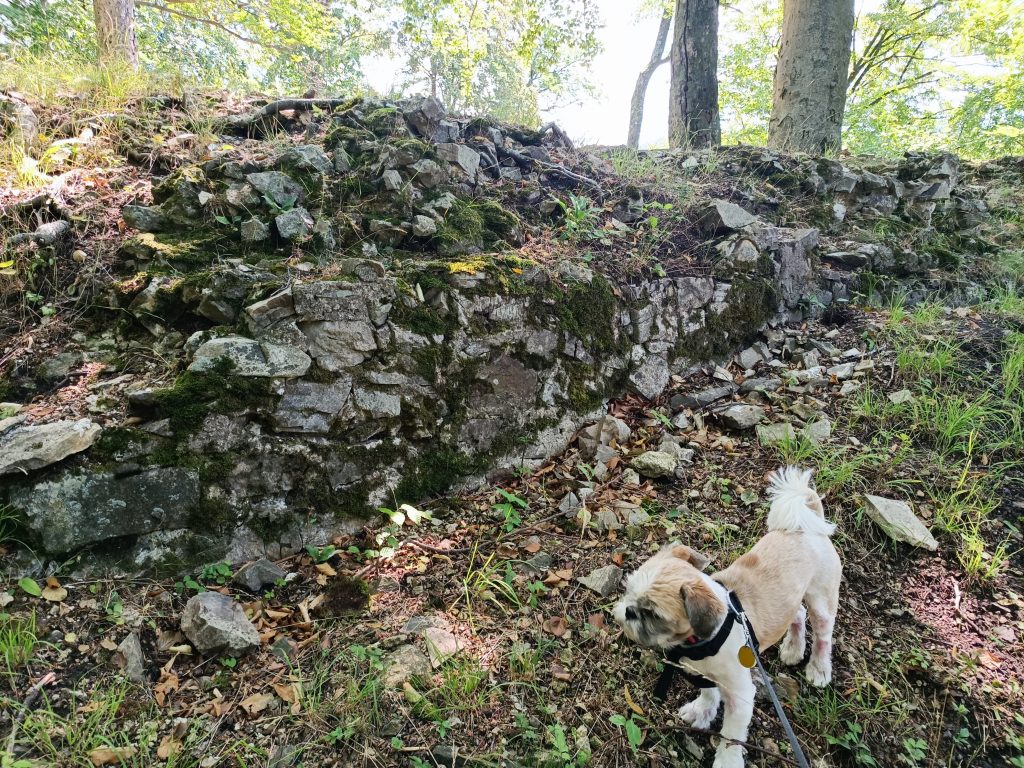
(747,658)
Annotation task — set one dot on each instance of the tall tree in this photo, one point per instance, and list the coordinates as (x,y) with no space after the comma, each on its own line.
(115,32)
(811,78)
(643,80)
(693,119)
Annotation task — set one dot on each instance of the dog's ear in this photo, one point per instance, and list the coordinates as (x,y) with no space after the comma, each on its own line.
(703,607)
(697,559)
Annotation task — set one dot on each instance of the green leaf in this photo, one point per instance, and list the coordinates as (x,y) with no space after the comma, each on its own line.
(30,586)
(618,720)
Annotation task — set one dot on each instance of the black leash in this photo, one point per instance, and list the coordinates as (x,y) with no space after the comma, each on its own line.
(711,646)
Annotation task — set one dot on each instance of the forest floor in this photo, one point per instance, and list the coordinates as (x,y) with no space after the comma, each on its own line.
(479,645)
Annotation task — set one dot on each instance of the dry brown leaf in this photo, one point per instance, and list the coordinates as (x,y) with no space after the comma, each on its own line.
(618,558)
(596,620)
(560,673)
(168,683)
(111,755)
(256,703)
(532,545)
(326,569)
(108,645)
(287,692)
(564,574)
(556,625)
(169,747)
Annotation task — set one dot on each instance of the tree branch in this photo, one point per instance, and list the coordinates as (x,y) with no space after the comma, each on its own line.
(211,23)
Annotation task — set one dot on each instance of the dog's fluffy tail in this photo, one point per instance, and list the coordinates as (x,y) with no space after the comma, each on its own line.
(796,506)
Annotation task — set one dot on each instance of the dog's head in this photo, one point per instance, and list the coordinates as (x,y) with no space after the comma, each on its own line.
(668,600)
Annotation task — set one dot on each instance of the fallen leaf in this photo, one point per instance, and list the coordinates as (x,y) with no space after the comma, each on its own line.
(169,747)
(326,569)
(108,645)
(596,620)
(532,545)
(630,703)
(560,673)
(111,755)
(256,703)
(30,586)
(556,625)
(618,558)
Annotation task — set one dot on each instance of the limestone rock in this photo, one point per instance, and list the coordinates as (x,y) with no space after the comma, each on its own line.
(403,664)
(280,188)
(767,384)
(721,215)
(75,510)
(603,581)
(423,226)
(605,431)
(462,157)
(258,574)
(899,522)
(769,434)
(254,230)
(650,379)
(703,398)
(901,397)
(441,645)
(131,659)
(391,180)
(817,431)
(252,358)
(311,407)
(295,224)
(214,623)
(428,173)
(145,218)
(24,449)
(655,464)
(305,158)
(740,416)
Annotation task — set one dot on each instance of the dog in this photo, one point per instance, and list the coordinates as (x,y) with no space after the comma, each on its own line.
(670,604)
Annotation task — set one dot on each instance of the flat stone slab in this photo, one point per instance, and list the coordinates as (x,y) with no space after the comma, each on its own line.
(23,449)
(252,358)
(740,416)
(769,434)
(603,581)
(899,522)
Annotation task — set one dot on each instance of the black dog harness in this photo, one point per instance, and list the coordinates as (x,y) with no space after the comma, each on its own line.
(695,650)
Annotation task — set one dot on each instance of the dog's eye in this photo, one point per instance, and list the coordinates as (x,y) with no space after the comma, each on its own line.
(631,614)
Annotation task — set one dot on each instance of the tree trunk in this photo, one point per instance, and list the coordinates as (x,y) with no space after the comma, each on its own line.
(636,107)
(693,98)
(115,32)
(809,94)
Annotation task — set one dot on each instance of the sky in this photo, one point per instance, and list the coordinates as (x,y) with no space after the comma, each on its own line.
(627,37)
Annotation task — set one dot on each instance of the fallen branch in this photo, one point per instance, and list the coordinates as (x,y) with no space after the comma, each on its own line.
(26,706)
(275,108)
(529,162)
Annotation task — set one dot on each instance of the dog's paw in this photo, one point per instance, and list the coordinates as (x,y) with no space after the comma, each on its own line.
(698,713)
(791,652)
(818,673)
(728,757)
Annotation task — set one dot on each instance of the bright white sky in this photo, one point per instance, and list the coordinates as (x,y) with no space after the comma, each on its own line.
(627,40)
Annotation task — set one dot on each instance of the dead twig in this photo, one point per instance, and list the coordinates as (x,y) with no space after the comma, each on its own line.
(27,705)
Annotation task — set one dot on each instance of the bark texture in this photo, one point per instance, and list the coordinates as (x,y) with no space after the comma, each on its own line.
(693,101)
(812,75)
(115,31)
(636,107)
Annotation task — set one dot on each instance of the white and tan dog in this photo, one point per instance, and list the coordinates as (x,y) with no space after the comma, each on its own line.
(669,603)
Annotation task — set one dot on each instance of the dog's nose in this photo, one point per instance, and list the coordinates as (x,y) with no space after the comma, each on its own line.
(631,614)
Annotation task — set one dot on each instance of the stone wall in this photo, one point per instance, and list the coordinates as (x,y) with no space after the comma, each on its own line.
(301,412)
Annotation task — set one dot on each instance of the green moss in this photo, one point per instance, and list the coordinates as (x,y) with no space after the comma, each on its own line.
(213,515)
(434,472)
(481,223)
(384,121)
(180,250)
(424,319)
(198,393)
(752,301)
(317,496)
(588,310)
